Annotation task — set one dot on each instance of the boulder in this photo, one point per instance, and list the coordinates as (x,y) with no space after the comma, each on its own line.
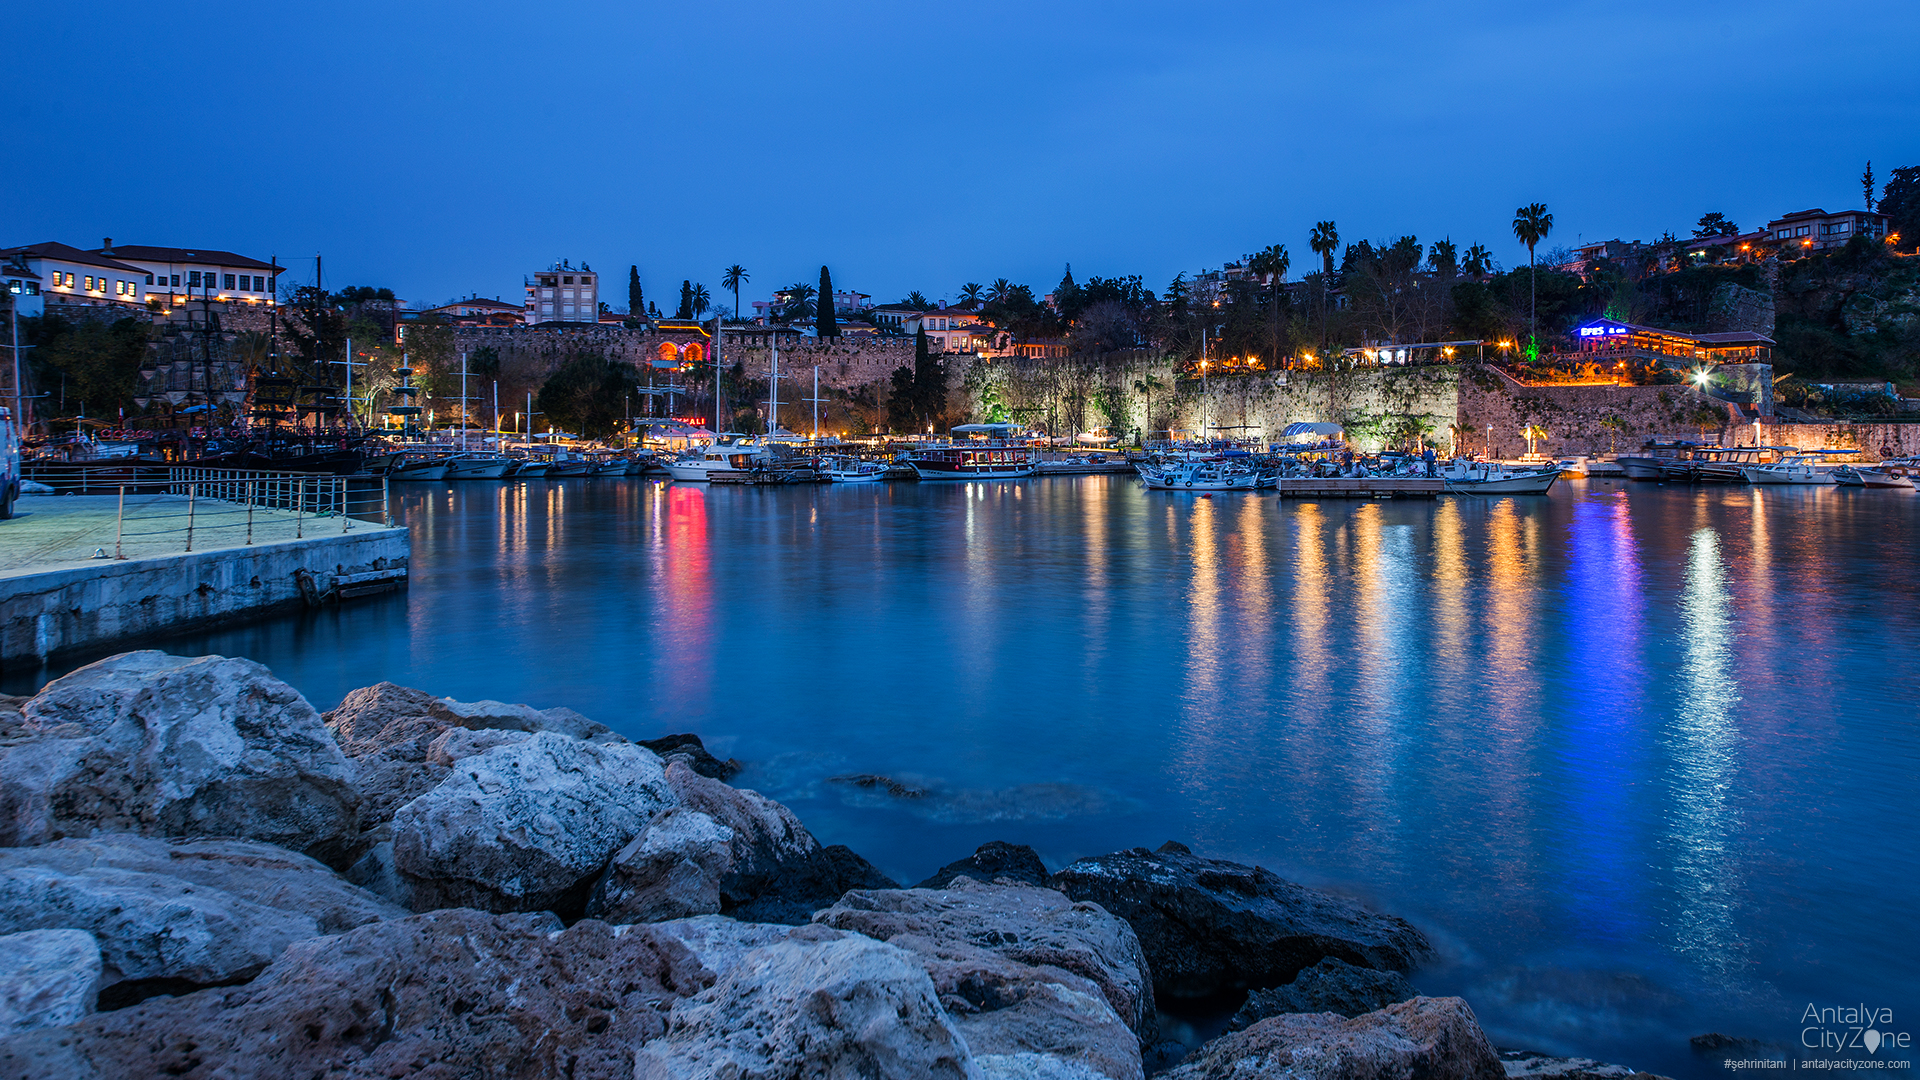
(725,850)
(1428,1038)
(385,715)
(1027,924)
(526,826)
(161,745)
(444,994)
(690,751)
(48,978)
(174,915)
(719,942)
(1030,978)
(815,1003)
(1210,926)
(992,861)
(1331,985)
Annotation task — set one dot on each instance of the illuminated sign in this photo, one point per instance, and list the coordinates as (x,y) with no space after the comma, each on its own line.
(1604,331)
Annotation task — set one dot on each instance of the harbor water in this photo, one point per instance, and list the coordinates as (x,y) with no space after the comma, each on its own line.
(1640,759)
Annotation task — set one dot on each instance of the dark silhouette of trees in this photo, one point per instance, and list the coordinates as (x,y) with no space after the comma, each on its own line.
(825,324)
(636,297)
(1531,224)
(732,278)
(918,397)
(588,395)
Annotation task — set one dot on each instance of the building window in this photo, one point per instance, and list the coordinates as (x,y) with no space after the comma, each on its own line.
(89,283)
(1801,231)
(193,279)
(229,281)
(566,281)
(174,281)
(259,283)
(69,280)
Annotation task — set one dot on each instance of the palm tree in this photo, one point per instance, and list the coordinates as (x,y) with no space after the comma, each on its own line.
(799,301)
(1614,425)
(732,278)
(999,290)
(1459,433)
(970,294)
(917,302)
(1477,261)
(1532,433)
(1271,263)
(1323,240)
(1531,224)
(702,300)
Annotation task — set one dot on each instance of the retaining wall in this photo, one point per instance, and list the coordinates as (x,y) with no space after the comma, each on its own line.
(97,605)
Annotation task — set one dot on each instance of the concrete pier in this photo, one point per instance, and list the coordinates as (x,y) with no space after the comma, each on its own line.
(61,586)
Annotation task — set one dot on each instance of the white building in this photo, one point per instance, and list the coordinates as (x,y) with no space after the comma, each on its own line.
(57,273)
(563,294)
(175,275)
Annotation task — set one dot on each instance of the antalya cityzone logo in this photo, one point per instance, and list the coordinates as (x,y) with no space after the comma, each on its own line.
(1851,1027)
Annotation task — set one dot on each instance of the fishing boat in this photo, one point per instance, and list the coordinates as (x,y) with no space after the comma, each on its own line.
(1887,474)
(530,469)
(732,452)
(1497,478)
(419,468)
(1202,476)
(1795,469)
(840,469)
(1654,457)
(988,452)
(478,467)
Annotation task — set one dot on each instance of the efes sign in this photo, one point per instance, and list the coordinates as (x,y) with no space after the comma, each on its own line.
(1604,330)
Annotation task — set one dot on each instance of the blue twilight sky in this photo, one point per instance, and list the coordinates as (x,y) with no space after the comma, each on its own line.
(448,149)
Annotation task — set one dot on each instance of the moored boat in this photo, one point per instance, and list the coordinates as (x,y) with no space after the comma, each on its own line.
(1201,476)
(988,453)
(1496,478)
(1796,469)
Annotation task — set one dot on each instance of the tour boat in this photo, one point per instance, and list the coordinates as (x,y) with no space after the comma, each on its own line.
(732,452)
(1495,478)
(1201,476)
(997,456)
(1798,469)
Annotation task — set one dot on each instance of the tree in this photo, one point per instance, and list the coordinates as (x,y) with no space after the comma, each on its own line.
(636,297)
(1900,202)
(799,303)
(1271,264)
(1531,224)
(1866,186)
(1532,433)
(1445,260)
(1715,224)
(1324,238)
(99,363)
(917,302)
(686,300)
(732,278)
(588,394)
(971,294)
(824,323)
(918,393)
(700,300)
(999,289)
(1478,261)
(1614,424)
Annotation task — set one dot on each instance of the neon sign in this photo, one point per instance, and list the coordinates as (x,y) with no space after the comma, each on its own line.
(1603,331)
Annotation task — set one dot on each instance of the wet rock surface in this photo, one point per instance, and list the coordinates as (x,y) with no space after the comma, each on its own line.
(1209,925)
(992,861)
(48,978)
(1428,1038)
(1528,1065)
(1333,986)
(691,752)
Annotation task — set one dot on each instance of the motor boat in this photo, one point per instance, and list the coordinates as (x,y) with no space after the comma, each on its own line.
(732,452)
(1656,455)
(419,468)
(840,469)
(1497,478)
(478,467)
(1797,469)
(1202,476)
(1887,474)
(987,452)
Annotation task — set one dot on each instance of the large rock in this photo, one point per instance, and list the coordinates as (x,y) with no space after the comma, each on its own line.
(1030,977)
(725,850)
(48,978)
(992,861)
(1210,926)
(167,745)
(445,994)
(174,915)
(1531,1065)
(1422,1039)
(687,749)
(526,826)
(384,714)
(1331,985)
(1028,924)
(816,1003)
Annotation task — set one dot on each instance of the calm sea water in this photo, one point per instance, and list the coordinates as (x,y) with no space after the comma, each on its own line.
(1641,759)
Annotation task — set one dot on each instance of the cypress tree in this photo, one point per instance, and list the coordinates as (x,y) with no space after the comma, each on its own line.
(929,382)
(824,323)
(686,300)
(636,300)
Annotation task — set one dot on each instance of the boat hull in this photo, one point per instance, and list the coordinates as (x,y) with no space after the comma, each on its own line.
(1763,475)
(479,470)
(1641,468)
(435,471)
(1008,471)
(1532,484)
(1874,478)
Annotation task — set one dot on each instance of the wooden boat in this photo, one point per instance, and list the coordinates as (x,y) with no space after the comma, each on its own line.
(993,455)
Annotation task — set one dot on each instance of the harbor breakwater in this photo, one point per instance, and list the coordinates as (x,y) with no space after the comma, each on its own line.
(202,875)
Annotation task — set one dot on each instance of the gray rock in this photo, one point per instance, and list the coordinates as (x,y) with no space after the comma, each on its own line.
(526,826)
(48,978)
(816,1003)
(173,915)
(456,744)
(689,750)
(1735,307)
(446,994)
(1428,1038)
(1528,1065)
(992,861)
(1026,924)
(161,745)
(1331,985)
(384,715)
(672,870)
(719,942)
(1208,926)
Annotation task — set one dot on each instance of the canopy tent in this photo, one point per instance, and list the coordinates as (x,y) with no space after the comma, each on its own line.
(987,428)
(1311,430)
(674,429)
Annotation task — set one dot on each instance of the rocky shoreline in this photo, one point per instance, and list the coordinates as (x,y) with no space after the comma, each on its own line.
(201,875)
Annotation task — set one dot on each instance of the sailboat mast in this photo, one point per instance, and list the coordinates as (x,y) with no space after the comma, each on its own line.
(773,381)
(816,404)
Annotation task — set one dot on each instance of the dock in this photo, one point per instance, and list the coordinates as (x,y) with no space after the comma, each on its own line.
(85,571)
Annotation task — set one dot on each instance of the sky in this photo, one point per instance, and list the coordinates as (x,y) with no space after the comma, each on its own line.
(449,150)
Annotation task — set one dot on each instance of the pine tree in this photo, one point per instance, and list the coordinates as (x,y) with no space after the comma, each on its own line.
(686,300)
(636,300)
(824,323)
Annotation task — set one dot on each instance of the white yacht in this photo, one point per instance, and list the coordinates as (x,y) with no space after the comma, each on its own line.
(1497,478)
(1796,469)
(732,452)
(842,469)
